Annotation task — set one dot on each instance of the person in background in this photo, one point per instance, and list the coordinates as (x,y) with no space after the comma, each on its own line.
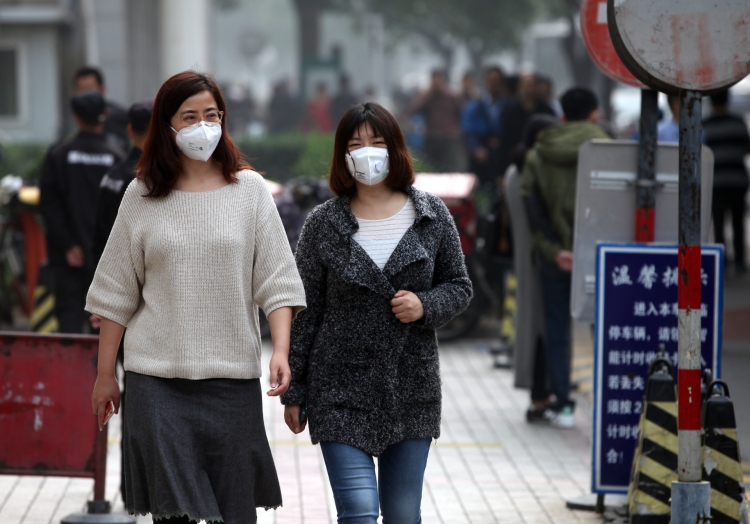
(540,393)
(283,110)
(482,123)
(196,249)
(344,99)
(115,127)
(469,90)
(668,128)
(441,110)
(517,116)
(545,90)
(241,105)
(116,181)
(727,136)
(548,187)
(382,268)
(511,85)
(69,185)
(319,110)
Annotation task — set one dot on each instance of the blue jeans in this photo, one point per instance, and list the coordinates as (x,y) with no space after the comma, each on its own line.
(556,294)
(397,490)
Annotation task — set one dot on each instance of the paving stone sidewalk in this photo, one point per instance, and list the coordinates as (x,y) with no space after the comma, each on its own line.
(489,465)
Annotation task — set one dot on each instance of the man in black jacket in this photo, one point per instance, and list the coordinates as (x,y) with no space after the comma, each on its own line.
(91,79)
(69,186)
(116,181)
(728,138)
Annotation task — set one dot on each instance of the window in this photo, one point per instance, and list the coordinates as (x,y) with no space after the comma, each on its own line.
(9,106)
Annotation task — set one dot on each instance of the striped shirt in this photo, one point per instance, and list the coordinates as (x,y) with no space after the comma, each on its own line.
(380,237)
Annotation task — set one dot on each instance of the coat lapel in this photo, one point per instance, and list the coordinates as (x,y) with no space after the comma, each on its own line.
(408,251)
(360,268)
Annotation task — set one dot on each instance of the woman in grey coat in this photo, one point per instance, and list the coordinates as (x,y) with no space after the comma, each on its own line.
(382,268)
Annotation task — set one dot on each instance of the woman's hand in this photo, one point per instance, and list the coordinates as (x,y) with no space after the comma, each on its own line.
(407,307)
(106,389)
(281,325)
(281,374)
(291,417)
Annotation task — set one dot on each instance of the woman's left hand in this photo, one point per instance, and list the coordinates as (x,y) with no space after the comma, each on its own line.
(407,307)
(281,374)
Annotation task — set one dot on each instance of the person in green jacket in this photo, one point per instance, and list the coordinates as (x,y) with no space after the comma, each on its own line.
(548,187)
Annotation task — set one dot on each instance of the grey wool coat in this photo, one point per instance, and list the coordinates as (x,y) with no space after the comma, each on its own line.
(367,379)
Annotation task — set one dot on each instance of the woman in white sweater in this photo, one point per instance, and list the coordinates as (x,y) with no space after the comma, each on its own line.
(197,247)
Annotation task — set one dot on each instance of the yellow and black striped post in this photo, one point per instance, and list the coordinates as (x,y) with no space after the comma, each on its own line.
(508,323)
(43,318)
(655,459)
(722,463)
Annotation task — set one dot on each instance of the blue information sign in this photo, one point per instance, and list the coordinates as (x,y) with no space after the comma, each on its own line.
(636,310)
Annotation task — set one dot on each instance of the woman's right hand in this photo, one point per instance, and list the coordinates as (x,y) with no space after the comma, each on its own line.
(291,417)
(106,389)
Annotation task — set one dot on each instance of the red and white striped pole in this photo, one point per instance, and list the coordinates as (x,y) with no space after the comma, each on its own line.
(689,290)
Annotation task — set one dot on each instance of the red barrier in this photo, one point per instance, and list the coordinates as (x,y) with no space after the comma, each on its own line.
(46,425)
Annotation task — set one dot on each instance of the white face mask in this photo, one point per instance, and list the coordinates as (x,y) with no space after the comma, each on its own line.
(368,165)
(199,141)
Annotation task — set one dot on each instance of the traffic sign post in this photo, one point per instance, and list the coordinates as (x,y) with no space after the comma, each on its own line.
(689,290)
(691,48)
(646,180)
(595,30)
(596,36)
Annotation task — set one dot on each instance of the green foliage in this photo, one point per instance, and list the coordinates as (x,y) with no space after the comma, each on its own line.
(289,155)
(274,156)
(315,161)
(24,160)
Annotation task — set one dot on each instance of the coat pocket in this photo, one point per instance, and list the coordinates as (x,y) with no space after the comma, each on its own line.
(420,380)
(350,385)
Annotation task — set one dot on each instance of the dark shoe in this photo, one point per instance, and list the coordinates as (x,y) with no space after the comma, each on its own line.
(534,414)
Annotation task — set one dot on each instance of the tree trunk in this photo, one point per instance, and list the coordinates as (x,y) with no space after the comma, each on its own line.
(308,12)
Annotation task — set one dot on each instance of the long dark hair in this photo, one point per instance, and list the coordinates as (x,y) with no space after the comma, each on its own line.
(160,165)
(382,123)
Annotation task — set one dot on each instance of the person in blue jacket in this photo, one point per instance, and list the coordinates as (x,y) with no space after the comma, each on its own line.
(487,127)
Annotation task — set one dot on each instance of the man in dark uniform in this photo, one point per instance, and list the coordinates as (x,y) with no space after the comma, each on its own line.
(69,186)
(115,128)
(116,181)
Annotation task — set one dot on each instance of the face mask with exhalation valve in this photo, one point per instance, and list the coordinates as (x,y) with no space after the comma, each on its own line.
(368,165)
(199,141)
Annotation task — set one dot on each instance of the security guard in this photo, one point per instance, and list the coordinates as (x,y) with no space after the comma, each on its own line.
(69,187)
(92,79)
(116,181)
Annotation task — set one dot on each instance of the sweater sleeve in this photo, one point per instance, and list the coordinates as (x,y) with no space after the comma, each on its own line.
(115,293)
(451,287)
(305,326)
(276,281)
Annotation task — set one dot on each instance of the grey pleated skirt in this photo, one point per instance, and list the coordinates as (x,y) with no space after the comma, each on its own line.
(197,448)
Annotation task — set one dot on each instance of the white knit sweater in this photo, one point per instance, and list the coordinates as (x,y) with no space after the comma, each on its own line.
(186,274)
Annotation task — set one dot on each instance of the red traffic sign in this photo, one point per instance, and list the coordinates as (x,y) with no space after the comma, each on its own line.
(673,45)
(599,44)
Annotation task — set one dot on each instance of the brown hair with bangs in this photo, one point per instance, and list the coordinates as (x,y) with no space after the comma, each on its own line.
(160,165)
(382,123)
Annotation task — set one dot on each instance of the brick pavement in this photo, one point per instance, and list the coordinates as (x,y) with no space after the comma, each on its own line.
(488,466)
